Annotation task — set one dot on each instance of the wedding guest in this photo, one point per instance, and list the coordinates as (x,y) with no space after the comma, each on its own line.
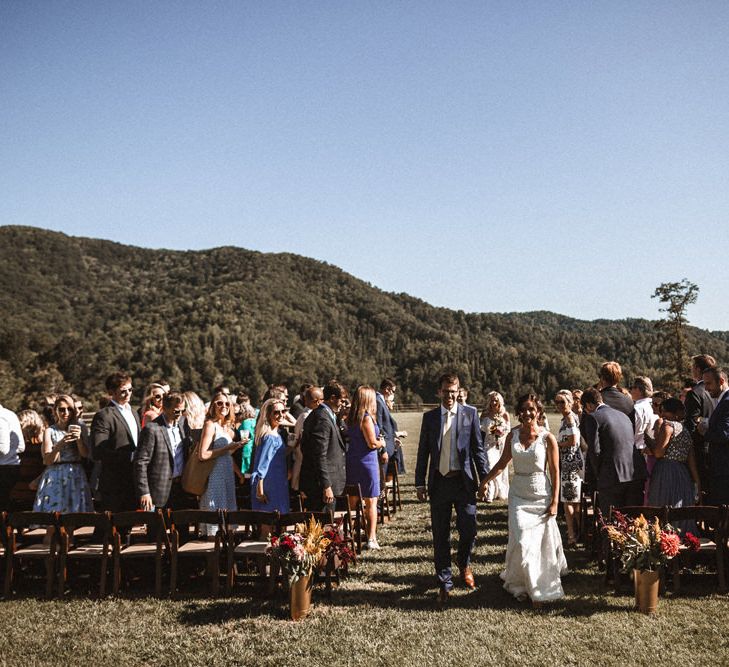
(535,559)
(610,376)
(699,405)
(48,410)
(641,391)
(216,442)
(577,405)
(715,430)
(463,396)
(114,436)
(194,411)
(63,487)
(152,404)
(269,479)
(160,458)
(675,479)
(618,467)
(323,468)
(246,431)
(365,440)
(571,464)
(495,426)
(299,404)
(12,445)
(31,460)
(313,397)
(387,426)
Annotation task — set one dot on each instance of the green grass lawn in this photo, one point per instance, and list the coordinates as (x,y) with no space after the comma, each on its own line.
(384,613)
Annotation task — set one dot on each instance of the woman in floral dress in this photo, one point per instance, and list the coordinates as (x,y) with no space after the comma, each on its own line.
(571,463)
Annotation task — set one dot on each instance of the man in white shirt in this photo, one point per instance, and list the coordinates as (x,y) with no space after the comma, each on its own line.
(12,444)
(641,392)
(114,436)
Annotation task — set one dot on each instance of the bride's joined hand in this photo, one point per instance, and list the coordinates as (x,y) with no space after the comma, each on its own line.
(552,509)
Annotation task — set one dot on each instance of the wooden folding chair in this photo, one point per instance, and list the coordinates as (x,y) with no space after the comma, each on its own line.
(358,527)
(198,546)
(130,544)
(343,517)
(245,541)
(711,519)
(650,512)
(393,487)
(84,536)
(31,536)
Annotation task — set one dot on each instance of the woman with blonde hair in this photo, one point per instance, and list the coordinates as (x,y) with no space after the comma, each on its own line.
(269,481)
(63,487)
(495,426)
(194,410)
(362,465)
(31,460)
(571,463)
(216,442)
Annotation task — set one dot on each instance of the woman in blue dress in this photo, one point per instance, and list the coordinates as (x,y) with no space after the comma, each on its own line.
(216,442)
(362,465)
(270,480)
(63,487)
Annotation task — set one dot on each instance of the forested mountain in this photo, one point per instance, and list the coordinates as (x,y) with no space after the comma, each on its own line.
(73,309)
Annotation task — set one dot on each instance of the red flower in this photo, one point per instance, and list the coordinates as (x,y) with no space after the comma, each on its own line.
(691,542)
(670,543)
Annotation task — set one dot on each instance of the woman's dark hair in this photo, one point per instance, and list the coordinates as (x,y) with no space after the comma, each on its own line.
(673,405)
(530,397)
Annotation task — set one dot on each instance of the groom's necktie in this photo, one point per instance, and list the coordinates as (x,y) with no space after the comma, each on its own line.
(444,466)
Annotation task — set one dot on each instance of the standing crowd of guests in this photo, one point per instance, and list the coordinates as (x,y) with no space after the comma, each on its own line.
(127,459)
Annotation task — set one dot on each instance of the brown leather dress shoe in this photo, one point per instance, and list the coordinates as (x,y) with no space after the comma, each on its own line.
(467,577)
(443,595)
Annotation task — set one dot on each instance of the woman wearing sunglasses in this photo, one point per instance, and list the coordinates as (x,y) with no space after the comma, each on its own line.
(63,486)
(269,481)
(571,463)
(152,404)
(216,442)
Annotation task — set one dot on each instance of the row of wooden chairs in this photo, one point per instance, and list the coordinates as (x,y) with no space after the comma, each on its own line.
(59,540)
(713,528)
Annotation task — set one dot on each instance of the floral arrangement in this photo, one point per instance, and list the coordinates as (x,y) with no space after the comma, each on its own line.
(302,551)
(497,426)
(337,548)
(642,545)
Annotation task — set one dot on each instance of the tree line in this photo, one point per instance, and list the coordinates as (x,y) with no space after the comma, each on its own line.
(73,309)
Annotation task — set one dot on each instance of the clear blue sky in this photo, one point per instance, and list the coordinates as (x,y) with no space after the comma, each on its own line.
(488,156)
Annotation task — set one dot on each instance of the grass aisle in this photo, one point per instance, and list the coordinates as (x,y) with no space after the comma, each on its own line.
(385,613)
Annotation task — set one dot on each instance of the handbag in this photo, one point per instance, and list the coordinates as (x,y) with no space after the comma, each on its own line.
(196,472)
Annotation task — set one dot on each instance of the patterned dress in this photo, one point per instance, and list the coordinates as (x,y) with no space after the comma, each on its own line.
(671,484)
(63,486)
(571,463)
(220,492)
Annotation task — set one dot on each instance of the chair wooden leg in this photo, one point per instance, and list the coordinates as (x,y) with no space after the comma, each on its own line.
(50,578)
(230,573)
(8,575)
(62,574)
(214,563)
(116,574)
(102,578)
(720,563)
(173,573)
(158,576)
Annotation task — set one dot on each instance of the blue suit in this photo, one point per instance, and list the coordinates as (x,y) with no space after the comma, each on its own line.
(455,489)
(717,437)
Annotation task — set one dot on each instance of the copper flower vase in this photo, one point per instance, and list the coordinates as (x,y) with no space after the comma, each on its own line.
(300,597)
(647,584)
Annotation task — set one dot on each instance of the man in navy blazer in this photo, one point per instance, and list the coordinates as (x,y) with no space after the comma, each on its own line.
(452,453)
(716,435)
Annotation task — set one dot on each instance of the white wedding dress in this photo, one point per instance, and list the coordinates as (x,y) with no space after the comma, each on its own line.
(534,556)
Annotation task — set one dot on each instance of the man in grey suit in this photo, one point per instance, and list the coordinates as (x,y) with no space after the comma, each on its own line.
(716,435)
(617,465)
(160,458)
(114,436)
(323,468)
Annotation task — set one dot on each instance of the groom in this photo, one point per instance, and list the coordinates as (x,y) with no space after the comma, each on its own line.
(450,438)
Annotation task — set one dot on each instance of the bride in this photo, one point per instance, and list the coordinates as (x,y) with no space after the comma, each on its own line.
(534,557)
